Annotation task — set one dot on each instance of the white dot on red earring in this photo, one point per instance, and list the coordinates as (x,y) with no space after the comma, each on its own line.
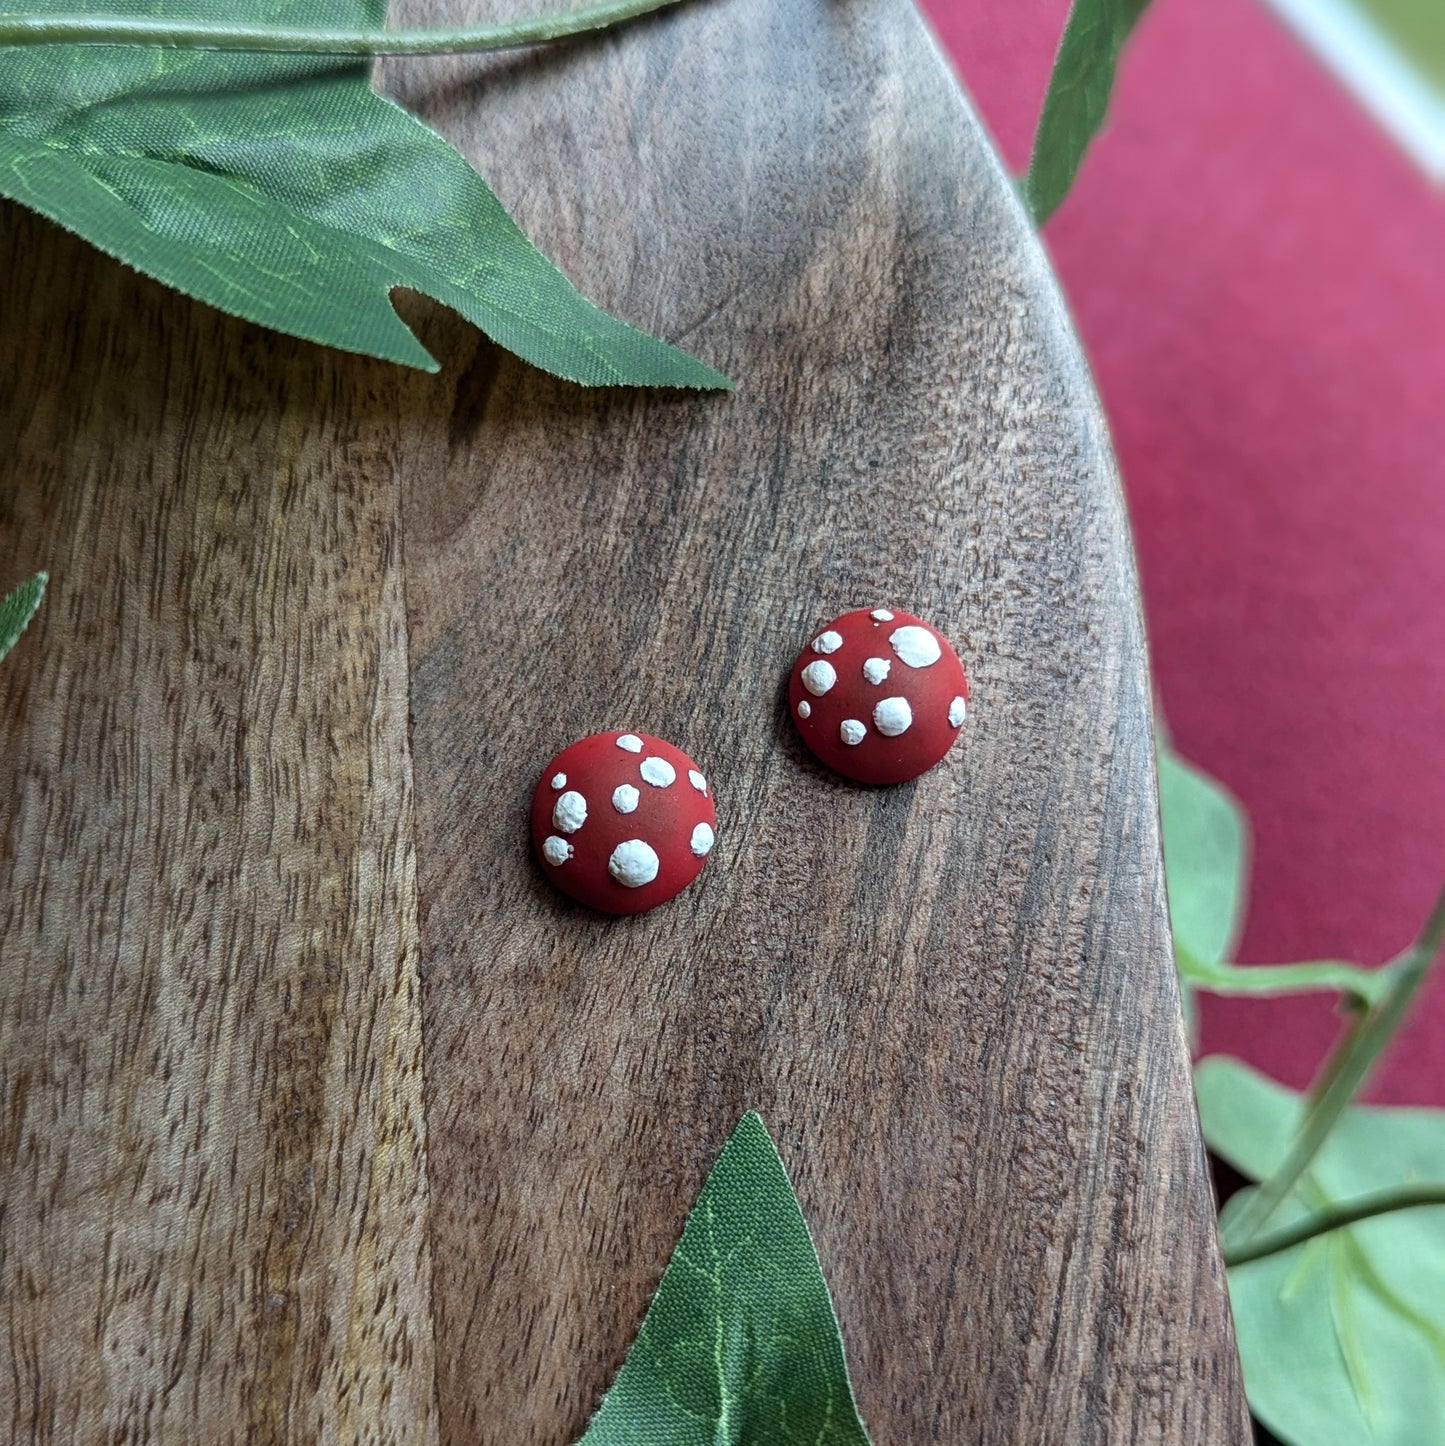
(915,645)
(658,772)
(634,862)
(819,677)
(893,716)
(570,812)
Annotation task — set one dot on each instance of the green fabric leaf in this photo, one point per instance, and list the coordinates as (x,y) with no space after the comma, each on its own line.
(1077,98)
(740,1345)
(284,190)
(1342,1338)
(17,608)
(1204,844)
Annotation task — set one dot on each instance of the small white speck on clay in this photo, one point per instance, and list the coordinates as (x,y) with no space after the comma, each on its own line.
(631,742)
(957,712)
(881,615)
(697,780)
(805,709)
(556,850)
(915,646)
(828,642)
(819,677)
(702,840)
(633,863)
(893,716)
(658,772)
(624,798)
(876,669)
(852,732)
(559,781)
(569,813)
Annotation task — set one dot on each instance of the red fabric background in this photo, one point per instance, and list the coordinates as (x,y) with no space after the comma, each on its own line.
(1259,279)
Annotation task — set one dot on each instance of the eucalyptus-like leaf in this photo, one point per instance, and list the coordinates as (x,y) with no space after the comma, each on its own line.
(1348,1067)
(284,190)
(1204,859)
(740,1344)
(17,608)
(1077,98)
(1343,1337)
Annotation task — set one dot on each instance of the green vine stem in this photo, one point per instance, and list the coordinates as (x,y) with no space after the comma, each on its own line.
(1345,1072)
(1363,986)
(290,40)
(1336,1217)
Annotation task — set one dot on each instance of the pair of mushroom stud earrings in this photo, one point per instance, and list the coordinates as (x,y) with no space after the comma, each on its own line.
(624,821)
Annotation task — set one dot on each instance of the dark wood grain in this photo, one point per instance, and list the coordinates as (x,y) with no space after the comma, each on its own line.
(211,1142)
(952,1001)
(321,1116)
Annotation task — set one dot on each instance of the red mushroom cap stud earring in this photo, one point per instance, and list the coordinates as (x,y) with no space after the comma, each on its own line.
(879,695)
(622,821)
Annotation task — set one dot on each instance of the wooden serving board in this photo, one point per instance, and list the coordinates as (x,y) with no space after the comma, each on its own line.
(323,1117)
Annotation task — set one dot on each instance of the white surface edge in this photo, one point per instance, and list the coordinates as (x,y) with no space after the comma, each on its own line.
(1388,86)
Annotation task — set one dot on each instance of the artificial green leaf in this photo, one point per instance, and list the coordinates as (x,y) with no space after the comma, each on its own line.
(284,190)
(1204,869)
(1343,1337)
(1077,98)
(740,1345)
(1247,1118)
(17,608)
(1349,1065)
